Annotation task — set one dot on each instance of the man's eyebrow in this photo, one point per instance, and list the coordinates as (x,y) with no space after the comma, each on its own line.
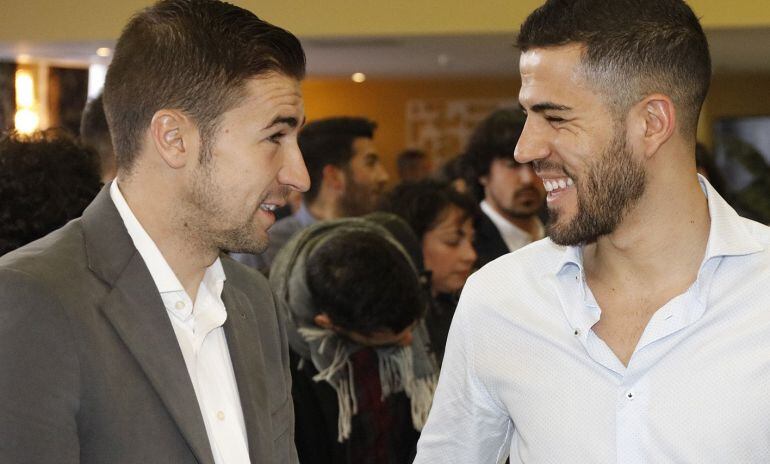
(548,106)
(290,121)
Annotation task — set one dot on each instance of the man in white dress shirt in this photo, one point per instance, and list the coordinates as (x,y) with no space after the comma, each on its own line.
(639,332)
(127,336)
(513,195)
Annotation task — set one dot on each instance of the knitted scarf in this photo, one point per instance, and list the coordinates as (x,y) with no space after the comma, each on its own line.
(409,369)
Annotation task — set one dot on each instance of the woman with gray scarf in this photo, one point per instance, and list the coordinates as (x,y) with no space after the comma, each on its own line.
(363,379)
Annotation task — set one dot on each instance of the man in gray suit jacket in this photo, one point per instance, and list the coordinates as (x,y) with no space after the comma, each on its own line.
(127,336)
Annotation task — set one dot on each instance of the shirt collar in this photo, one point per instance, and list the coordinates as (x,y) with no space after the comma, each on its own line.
(508,230)
(161,272)
(728,235)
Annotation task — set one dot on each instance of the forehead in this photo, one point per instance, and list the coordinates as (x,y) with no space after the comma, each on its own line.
(272,95)
(363,146)
(551,74)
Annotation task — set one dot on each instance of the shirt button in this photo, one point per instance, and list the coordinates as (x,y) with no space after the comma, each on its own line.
(179,305)
(630,395)
(220,415)
(577,332)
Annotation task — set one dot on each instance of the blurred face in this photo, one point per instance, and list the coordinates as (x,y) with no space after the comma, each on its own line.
(582,155)
(448,251)
(253,163)
(365,179)
(513,189)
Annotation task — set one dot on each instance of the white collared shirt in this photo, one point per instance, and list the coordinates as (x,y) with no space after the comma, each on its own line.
(524,372)
(513,236)
(199,332)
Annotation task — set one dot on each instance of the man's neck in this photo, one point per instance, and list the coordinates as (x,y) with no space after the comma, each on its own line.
(529,224)
(660,243)
(324,208)
(185,255)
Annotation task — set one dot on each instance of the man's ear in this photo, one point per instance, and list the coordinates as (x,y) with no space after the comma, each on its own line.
(334,177)
(656,116)
(172,133)
(483,180)
(322,320)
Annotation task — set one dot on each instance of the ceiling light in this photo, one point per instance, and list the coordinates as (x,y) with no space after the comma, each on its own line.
(358,77)
(103,52)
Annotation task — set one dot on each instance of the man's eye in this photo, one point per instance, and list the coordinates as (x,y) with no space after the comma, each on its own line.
(276,138)
(554,119)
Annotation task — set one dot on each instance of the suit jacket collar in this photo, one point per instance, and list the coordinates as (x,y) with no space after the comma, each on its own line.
(248,364)
(137,313)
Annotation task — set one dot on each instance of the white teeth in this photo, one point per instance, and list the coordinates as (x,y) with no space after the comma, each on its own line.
(554,184)
(268,207)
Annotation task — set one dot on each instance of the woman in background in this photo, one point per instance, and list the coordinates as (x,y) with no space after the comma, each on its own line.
(442,219)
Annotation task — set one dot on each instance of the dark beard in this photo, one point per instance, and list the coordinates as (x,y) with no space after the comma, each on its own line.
(357,200)
(611,186)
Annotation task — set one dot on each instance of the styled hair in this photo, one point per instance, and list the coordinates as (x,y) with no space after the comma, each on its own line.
(95,133)
(495,137)
(194,56)
(631,49)
(364,283)
(424,204)
(46,179)
(330,142)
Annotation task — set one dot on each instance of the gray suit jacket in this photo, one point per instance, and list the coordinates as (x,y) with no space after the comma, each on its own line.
(90,368)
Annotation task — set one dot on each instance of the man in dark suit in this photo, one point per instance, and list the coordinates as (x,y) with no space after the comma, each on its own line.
(512,194)
(127,336)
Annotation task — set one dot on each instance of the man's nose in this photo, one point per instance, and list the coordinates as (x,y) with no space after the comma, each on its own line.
(532,144)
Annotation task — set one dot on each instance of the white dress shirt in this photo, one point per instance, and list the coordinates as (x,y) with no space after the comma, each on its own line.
(524,372)
(513,236)
(199,332)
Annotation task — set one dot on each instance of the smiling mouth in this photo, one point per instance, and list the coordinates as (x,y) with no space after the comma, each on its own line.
(269,207)
(557,184)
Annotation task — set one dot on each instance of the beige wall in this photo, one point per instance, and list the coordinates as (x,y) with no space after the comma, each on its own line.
(74,20)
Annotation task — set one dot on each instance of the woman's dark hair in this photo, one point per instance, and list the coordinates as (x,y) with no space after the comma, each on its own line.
(423,204)
(46,179)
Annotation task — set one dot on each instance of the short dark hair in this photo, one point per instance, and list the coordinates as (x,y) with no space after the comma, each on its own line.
(632,48)
(191,55)
(95,132)
(424,203)
(495,137)
(330,142)
(46,179)
(409,162)
(364,283)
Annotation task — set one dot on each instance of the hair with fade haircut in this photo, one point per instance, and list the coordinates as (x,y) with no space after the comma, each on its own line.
(364,283)
(330,142)
(632,48)
(194,56)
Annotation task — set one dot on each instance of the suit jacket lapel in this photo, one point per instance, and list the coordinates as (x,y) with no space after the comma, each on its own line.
(248,363)
(136,311)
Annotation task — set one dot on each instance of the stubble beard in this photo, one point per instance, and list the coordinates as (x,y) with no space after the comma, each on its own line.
(612,185)
(207,223)
(358,199)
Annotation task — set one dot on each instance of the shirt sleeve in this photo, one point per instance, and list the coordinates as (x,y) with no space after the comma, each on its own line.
(466,424)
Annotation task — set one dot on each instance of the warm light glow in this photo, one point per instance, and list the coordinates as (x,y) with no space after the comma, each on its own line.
(25,89)
(26,121)
(358,77)
(103,52)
